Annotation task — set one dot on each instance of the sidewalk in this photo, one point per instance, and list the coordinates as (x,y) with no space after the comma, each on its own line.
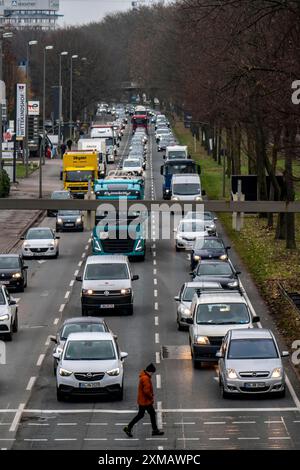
(14,223)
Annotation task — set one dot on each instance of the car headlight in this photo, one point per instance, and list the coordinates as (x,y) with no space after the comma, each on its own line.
(223,257)
(233,284)
(64,372)
(175,198)
(197,257)
(139,245)
(167,190)
(201,340)
(51,244)
(277,373)
(97,246)
(4,317)
(113,372)
(231,374)
(125,291)
(184,310)
(87,291)
(59,220)
(198,198)
(26,245)
(78,220)
(17,275)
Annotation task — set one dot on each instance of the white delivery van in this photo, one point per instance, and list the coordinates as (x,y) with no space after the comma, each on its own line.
(100,146)
(186,187)
(176,151)
(109,134)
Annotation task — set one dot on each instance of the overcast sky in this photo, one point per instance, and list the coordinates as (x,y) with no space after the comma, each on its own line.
(84,11)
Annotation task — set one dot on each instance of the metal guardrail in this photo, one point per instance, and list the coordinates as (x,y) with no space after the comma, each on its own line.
(159,205)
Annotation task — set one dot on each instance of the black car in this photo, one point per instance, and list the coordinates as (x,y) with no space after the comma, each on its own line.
(13,272)
(69,220)
(62,194)
(217,271)
(208,248)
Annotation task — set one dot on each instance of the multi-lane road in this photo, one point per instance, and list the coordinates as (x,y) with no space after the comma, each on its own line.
(189,406)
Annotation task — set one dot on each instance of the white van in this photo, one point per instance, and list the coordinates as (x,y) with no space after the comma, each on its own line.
(106,132)
(176,151)
(186,187)
(100,146)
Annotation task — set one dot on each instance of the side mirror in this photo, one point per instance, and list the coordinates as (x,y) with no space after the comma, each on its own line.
(12,302)
(237,273)
(53,339)
(79,278)
(215,219)
(203,192)
(164,157)
(123,355)
(285,354)
(189,156)
(135,277)
(256,319)
(56,356)
(25,267)
(192,273)
(177,298)
(22,238)
(174,229)
(57,238)
(227,248)
(219,355)
(161,172)
(189,321)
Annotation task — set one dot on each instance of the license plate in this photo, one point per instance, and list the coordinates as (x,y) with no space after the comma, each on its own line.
(107,306)
(4,283)
(69,225)
(255,385)
(89,385)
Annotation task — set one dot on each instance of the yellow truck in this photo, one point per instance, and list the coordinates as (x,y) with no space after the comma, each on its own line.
(79,167)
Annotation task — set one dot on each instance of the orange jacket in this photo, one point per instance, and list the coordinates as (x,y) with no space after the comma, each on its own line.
(145,392)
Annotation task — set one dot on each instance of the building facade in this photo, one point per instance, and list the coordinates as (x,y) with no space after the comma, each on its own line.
(37,14)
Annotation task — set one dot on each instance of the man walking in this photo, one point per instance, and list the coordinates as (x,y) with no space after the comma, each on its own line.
(145,402)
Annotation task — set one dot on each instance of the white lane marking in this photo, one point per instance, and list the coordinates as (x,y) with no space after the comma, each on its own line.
(124,439)
(8,439)
(48,341)
(156,321)
(158,381)
(188,438)
(17,418)
(154,271)
(215,422)
(156,438)
(157,357)
(30,383)
(184,423)
(95,439)
(80,263)
(72,283)
(219,438)
(296,421)
(42,261)
(90,240)
(154,253)
(66,424)
(278,438)
(273,422)
(86,247)
(67,439)
(96,424)
(76,273)
(61,308)
(67,294)
(40,360)
(154,262)
(38,424)
(36,440)
(154,245)
(156,338)
(121,424)
(56,321)
(155,293)
(160,448)
(243,422)
(290,387)
(83,255)
(248,438)
(155,282)
(159,415)
(156,306)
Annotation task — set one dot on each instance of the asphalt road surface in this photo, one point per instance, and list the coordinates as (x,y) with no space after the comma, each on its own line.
(189,406)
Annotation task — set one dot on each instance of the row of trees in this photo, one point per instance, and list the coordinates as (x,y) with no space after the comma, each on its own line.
(230,63)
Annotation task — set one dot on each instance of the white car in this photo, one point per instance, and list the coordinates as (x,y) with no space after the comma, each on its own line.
(40,242)
(134,165)
(90,364)
(8,314)
(187,232)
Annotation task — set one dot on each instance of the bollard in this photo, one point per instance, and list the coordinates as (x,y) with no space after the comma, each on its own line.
(238,217)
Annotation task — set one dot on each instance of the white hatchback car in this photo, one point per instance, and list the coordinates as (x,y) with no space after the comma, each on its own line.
(8,314)
(40,242)
(90,364)
(187,232)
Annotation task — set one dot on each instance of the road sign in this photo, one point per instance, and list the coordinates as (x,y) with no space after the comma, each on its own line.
(33,108)
(20,110)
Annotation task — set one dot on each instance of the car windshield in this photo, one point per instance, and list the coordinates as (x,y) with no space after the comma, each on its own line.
(9,262)
(106,271)
(199,215)
(176,154)
(90,351)
(2,300)
(185,189)
(60,195)
(79,176)
(82,327)
(191,227)
(131,163)
(214,269)
(222,314)
(208,244)
(189,293)
(39,234)
(64,213)
(256,348)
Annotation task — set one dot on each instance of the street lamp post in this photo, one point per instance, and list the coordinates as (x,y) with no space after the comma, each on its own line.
(42,151)
(26,149)
(62,54)
(73,57)
(2,36)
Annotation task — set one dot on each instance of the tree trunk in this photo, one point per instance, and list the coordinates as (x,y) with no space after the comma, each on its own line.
(251,154)
(290,193)
(236,154)
(229,151)
(274,186)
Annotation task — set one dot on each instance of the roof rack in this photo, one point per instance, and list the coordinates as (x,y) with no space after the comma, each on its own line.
(221,290)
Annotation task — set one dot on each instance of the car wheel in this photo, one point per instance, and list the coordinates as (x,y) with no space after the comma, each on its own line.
(223,393)
(15,325)
(56,254)
(120,394)
(197,364)
(54,368)
(176,248)
(60,396)
(9,336)
(179,327)
(21,288)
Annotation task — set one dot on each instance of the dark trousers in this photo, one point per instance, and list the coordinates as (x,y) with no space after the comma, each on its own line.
(141,414)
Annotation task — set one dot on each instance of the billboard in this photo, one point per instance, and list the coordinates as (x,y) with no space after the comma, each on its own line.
(31,4)
(20,110)
(33,108)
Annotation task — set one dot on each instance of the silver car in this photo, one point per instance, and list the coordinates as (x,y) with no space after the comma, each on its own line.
(250,363)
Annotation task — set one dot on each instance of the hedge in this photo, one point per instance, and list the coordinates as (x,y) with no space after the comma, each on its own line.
(4,183)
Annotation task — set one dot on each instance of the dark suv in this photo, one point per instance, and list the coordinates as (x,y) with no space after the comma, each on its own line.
(13,272)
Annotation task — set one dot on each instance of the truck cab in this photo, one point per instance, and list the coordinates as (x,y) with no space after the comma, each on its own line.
(80,168)
(173,152)
(119,188)
(174,167)
(99,146)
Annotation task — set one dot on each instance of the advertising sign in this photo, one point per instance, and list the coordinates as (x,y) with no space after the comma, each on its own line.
(20,110)
(33,108)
